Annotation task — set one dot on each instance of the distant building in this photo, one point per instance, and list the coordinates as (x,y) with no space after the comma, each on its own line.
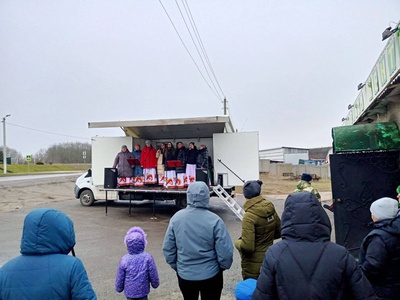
(296,156)
(284,155)
(319,155)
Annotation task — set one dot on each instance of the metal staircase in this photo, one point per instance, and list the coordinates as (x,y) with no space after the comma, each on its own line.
(232,204)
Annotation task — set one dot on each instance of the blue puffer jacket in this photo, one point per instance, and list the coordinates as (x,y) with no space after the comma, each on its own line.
(45,270)
(197,243)
(306,264)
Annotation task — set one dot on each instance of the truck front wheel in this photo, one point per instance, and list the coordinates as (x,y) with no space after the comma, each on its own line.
(86,198)
(181,202)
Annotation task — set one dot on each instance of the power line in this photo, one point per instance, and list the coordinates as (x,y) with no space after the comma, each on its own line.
(189,13)
(48,132)
(187,50)
(195,45)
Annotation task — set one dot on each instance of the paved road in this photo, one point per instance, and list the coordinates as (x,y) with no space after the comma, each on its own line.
(38,176)
(99,237)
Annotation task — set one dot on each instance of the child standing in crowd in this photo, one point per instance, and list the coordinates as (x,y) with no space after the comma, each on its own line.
(137,269)
(380,250)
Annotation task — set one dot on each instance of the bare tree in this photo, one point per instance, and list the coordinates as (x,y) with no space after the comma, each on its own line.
(16,157)
(65,153)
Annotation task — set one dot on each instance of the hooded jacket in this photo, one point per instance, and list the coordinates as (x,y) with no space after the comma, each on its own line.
(137,269)
(44,270)
(306,264)
(260,226)
(380,258)
(197,243)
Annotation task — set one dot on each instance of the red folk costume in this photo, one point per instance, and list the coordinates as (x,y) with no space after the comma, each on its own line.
(148,161)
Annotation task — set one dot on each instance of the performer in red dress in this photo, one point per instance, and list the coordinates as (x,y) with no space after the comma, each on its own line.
(148,161)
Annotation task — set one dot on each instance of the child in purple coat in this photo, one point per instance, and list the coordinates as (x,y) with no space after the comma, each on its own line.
(137,269)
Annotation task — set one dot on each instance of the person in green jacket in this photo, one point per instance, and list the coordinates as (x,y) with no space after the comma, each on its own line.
(261,225)
(304,185)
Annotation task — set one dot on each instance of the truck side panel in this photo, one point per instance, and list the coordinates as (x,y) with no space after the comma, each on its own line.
(239,152)
(104,150)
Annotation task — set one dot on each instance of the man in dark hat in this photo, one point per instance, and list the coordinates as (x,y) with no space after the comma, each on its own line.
(260,226)
(304,185)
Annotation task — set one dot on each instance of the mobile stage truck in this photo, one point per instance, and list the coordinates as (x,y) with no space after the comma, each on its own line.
(234,156)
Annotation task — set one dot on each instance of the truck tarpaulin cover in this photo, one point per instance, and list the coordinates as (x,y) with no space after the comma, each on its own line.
(366,137)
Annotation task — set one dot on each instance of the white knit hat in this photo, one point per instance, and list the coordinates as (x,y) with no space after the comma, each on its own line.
(384,208)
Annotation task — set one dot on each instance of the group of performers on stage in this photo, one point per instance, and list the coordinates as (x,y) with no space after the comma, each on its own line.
(168,166)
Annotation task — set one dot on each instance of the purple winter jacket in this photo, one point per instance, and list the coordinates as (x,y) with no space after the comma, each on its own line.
(137,269)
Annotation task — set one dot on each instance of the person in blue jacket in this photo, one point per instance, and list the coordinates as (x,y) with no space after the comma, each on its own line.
(198,247)
(44,270)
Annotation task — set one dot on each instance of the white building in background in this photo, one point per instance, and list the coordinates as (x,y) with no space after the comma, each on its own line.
(284,155)
(295,156)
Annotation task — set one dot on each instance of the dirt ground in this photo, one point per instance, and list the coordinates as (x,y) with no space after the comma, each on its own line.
(100,237)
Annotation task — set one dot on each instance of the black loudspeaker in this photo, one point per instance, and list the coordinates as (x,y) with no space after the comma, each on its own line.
(110,178)
(201,175)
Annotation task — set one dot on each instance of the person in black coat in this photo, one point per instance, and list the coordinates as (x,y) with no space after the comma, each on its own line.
(181,178)
(191,160)
(170,171)
(202,157)
(380,249)
(306,264)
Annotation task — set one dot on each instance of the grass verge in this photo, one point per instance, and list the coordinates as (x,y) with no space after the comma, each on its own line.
(280,185)
(46,168)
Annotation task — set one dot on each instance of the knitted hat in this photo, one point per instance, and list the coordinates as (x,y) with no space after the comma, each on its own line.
(306,177)
(124,146)
(148,142)
(384,208)
(245,289)
(252,188)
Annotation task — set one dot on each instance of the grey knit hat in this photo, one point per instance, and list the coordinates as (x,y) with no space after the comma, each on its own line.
(384,208)
(252,188)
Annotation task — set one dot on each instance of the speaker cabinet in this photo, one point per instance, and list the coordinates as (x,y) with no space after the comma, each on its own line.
(201,175)
(110,178)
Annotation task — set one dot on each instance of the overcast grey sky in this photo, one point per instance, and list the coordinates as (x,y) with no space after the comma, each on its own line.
(289,69)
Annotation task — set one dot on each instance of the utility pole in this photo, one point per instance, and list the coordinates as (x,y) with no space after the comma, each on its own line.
(4,145)
(225,107)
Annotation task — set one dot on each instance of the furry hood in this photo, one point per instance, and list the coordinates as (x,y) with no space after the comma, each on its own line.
(135,240)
